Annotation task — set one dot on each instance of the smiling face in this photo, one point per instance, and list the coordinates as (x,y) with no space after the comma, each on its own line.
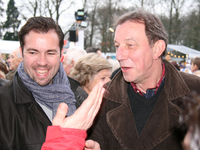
(133,51)
(41,56)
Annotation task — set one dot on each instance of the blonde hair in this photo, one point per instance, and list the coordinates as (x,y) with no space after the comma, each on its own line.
(88,66)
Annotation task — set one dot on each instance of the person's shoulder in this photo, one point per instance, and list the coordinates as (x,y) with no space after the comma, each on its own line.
(3,81)
(7,95)
(115,72)
(197,73)
(189,76)
(6,89)
(73,83)
(80,96)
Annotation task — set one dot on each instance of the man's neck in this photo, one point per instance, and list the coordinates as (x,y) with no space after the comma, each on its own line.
(152,80)
(13,70)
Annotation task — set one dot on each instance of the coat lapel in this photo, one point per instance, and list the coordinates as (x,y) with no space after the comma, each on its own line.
(38,112)
(120,119)
(24,96)
(122,124)
(160,125)
(163,120)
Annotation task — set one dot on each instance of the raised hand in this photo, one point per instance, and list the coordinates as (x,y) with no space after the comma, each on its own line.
(84,115)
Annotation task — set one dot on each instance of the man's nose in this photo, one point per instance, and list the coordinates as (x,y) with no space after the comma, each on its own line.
(42,60)
(122,53)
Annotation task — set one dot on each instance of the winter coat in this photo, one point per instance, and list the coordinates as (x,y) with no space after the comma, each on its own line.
(23,123)
(115,129)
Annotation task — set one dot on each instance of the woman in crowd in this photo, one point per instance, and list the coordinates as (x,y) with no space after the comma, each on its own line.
(3,70)
(90,69)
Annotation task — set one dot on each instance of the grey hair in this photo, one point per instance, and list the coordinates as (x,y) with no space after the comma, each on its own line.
(74,53)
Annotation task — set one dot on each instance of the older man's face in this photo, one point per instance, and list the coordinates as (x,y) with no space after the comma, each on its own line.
(14,60)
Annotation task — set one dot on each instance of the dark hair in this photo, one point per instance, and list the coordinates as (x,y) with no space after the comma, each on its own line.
(3,67)
(190,110)
(175,65)
(196,61)
(40,25)
(153,26)
(92,50)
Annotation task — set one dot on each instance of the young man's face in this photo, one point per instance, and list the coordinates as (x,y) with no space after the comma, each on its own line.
(41,56)
(133,51)
(194,67)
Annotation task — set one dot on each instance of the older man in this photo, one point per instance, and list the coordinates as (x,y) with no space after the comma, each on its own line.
(13,61)
(140,110)
(71,57)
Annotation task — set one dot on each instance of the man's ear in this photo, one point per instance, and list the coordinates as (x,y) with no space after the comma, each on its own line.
(196,67)
(158,49)
(21,53)
(72,63)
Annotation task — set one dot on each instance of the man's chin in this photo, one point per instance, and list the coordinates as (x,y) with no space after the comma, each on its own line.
(127,79)
(43,83)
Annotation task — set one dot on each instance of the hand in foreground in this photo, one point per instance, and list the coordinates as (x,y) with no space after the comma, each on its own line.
(84,116)
(91,145)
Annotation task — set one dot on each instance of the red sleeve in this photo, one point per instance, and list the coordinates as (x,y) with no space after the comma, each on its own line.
(58,138)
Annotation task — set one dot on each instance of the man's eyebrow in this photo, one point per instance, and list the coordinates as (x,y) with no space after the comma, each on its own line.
(54,50)
(127,39)
(31,49)
(130,39)
(50,50)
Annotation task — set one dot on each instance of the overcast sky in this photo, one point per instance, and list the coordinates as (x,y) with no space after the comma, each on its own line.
(66,19)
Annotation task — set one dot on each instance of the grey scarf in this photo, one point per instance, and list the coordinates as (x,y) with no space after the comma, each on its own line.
(53,94)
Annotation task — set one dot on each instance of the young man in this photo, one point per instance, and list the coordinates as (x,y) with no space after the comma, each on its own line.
(29,103)
(140,110)
(195,66)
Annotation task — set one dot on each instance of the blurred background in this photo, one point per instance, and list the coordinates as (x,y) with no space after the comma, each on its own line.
(89,23)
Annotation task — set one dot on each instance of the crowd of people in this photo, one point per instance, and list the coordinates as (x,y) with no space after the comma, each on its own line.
(80,100)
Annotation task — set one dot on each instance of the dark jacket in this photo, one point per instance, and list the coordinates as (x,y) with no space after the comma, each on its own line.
(115,128)
(23,123)
(79,92)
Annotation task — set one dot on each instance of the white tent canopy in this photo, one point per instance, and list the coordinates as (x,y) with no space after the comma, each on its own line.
(192,53)
(6,47)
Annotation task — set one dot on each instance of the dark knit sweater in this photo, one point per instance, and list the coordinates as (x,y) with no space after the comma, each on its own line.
(141,106)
